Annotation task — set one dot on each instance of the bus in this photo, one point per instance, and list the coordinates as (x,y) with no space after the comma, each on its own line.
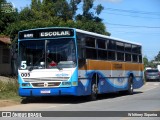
(59,61)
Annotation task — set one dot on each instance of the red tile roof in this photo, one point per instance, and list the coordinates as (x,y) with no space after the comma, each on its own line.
(5,40)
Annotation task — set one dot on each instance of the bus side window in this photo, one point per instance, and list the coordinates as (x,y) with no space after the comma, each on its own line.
(134,58)
(111,55)
(81,51)
(128,57)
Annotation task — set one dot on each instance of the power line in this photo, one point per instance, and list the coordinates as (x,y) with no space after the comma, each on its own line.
(130,11)
(132,25)
(135,32)
(126,11)
(132,15)
(133,11)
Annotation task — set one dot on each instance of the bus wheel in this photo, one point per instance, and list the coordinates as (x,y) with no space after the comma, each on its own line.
(130,85)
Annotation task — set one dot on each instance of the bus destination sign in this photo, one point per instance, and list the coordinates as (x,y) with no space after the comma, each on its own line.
(46,33)
(54,34)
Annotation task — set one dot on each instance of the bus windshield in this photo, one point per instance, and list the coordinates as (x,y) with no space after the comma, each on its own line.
(47,54)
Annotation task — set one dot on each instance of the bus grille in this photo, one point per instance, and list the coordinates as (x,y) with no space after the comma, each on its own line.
(47,84)
(46,79)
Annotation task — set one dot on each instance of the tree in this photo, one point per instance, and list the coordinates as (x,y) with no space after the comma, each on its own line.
(157,58)
(145,61)
(50,13)
(73,5)
(88,13)
(27,15)
(34,5)
(99,9)
(62,9)
(7,18)
(152,63)
(87,5)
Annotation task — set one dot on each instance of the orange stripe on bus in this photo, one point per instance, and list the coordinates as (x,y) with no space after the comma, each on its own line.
(110,65)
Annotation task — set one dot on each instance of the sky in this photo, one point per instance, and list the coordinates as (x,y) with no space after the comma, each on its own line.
(131,20)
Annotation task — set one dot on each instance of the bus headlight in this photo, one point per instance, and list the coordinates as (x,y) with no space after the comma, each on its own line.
(25,84)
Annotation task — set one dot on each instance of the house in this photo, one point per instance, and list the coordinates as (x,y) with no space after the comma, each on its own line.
(5,55)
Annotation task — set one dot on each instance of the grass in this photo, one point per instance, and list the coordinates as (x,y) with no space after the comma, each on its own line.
(9,89)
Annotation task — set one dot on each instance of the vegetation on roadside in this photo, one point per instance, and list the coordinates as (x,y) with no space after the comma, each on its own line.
(9,89)
(152,63)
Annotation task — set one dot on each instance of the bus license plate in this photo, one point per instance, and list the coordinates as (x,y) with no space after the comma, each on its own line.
(45,91)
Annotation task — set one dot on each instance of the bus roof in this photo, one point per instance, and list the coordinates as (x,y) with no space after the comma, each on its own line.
(45,28)
(89,33)
(104,36)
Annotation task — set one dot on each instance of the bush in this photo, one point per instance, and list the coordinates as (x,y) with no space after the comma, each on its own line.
(8,89)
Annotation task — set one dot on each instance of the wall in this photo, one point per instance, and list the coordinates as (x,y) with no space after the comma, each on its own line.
(5,59)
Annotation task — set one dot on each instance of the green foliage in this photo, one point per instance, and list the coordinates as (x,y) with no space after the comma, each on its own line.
(62,9)
(73,6)
(26,14)
(50,13)
(157,58)
(22,25)
(6,18)
(8,89)
(145,61)
(34,5)
(87,5)
(99,9)
(151,63)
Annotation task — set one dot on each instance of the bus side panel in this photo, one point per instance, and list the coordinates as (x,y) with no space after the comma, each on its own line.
(138,81)
(137,71)
(106,85)
(113,76)
(84,85)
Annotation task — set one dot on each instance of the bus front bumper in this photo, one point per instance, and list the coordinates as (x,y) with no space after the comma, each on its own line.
(24,92)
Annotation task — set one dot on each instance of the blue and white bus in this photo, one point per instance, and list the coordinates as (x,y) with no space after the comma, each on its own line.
(60,61)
